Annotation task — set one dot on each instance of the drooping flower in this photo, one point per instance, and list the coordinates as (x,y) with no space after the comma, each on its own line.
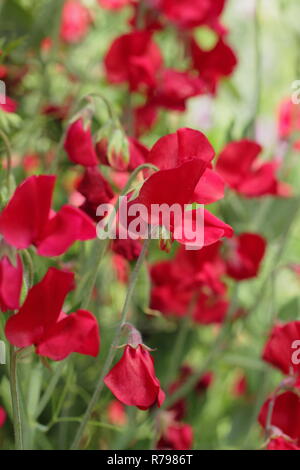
(75,21)
(285,417)
(244,172)
(282,349)
(41,322)
(214,64)
(29,220)
(243,255)
(132,380)
(11,278)
(79,145)
(133,58)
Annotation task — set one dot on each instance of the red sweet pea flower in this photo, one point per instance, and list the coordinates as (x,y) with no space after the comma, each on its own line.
(28,219)
(243,255)
(7,104)
(129,249)
(174,88)
(11,278)
(41,322)
(2,416)
(281,443)
(186,14)
(177,436)
(242,170)
(214,64)
(133,58)
(279,348)
(285,417)
(75,21)
(144,118)
(210,309)
(79,145)
(132,380)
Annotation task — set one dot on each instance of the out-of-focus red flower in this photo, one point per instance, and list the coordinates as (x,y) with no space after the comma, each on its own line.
(11,278)
(144,118)
(115,4)
(243,255)
(121,268)
(288,120)
(31,163)
(75,21)
(138,154)
(285,417)
(240,386)
(54,334)
(214,64)
(280,350)
(7,104)
(204,382)
(186,14)
(29,220)
(210,308)
(174,88)
(281,443)
(94,187)
(116,413)
(177,436)
(79,144)
(244,172)
(2,416)
(132,380)
(129,249)
(133,58)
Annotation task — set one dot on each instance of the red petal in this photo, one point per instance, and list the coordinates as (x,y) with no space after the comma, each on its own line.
(210,188)
(40,310)
(79,145)
(11,278)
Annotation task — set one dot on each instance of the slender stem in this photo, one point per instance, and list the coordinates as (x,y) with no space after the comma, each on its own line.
(8,158)
(50,389)
(113,348)
(100,250)
(15,398)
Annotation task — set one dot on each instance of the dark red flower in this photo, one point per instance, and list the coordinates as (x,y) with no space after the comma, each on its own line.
(133,58)
(214,64)
(79,144)
(29,220)
(42,323)
(145,117)
(129,249)
(11,278)
(132,380)
(281,443)
(174,88)
(243,171)
(177,436)
(2,416)
(285,417)
(281,348)
(210,308)
(243,255)
(96,190)
(75,21)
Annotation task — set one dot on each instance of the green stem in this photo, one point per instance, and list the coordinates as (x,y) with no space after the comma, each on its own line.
(50,389)
(15,398)
(8,159)
(100,250)
(113,348)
